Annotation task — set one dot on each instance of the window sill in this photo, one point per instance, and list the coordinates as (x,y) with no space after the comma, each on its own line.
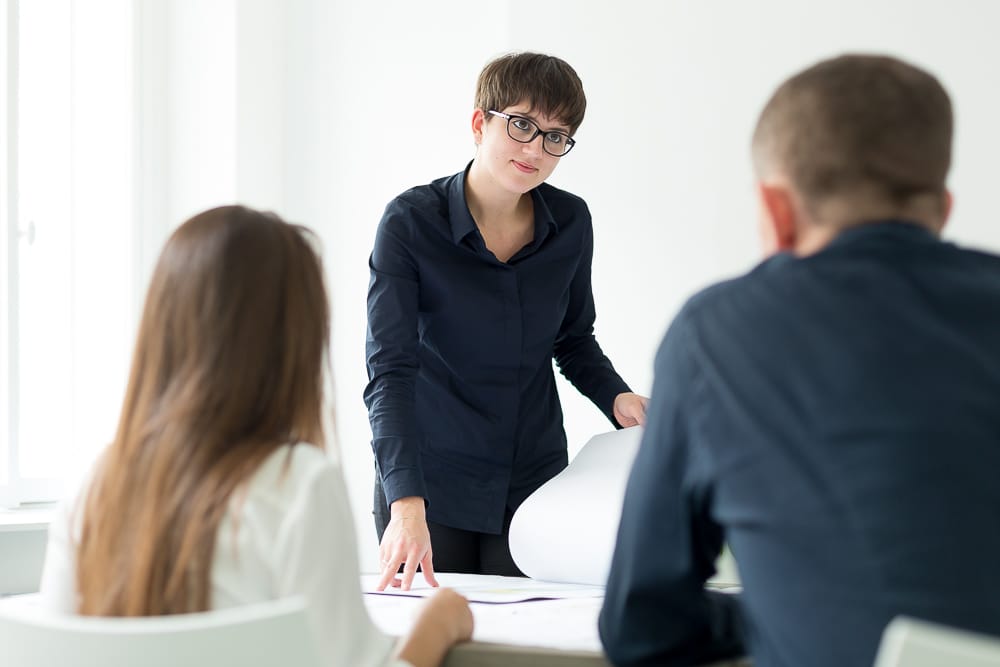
(23,536)
(27,518)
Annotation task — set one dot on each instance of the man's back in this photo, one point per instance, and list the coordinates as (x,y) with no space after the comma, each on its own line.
(836,419)
(852,430)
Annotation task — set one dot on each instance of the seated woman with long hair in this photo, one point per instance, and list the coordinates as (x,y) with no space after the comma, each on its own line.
(216,490)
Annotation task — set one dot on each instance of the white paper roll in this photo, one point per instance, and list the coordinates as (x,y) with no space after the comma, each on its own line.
(565,531)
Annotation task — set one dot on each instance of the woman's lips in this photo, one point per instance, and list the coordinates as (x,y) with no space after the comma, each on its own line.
(526,168)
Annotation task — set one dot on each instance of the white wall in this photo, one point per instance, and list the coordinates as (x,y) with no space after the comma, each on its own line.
(325,110)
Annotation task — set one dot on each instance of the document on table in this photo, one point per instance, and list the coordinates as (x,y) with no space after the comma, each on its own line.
(488,588)
(566,530)
(569,625)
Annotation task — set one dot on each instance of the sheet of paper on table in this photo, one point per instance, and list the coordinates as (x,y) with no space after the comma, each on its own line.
(488,588)
(565,624)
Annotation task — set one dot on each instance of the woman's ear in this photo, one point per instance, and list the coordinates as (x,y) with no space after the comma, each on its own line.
(478,120)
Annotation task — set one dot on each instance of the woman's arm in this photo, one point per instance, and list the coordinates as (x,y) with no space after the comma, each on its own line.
(444,620)
(576,351)
(314,555)
(391,348)
(391,353)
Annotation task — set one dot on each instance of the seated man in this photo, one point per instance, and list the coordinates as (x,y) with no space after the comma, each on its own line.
(834,415)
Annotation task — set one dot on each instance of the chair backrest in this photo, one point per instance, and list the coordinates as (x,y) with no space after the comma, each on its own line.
(266,634)
(908,642)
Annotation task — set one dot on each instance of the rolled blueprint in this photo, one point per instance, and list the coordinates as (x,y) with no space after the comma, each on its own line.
(565,531)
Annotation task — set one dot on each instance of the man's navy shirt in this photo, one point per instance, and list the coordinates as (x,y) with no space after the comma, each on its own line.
(461,395)
(835,419)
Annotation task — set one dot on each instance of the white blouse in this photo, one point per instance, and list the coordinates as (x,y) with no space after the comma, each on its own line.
(289,533)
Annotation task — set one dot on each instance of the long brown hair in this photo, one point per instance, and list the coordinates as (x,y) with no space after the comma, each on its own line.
(228,367)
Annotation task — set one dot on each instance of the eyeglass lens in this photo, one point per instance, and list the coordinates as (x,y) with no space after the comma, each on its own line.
(523,130)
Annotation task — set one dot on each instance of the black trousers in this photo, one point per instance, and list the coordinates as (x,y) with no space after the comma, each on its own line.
(457,550)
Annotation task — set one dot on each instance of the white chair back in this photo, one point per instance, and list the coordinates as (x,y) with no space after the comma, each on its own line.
(266,634)
(908,642)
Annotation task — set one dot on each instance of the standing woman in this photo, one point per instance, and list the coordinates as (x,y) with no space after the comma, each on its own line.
(216,491)
(479,280)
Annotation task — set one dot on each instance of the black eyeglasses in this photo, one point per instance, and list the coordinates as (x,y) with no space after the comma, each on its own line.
(524,130)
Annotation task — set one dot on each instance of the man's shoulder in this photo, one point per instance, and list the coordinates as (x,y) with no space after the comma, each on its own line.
(978,258)
(739,289)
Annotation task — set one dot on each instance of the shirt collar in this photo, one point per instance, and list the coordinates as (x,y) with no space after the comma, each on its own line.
(893,230)
(459,216)
(461,220)
(889,229)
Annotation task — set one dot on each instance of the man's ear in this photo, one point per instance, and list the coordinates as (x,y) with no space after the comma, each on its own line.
(946,213)
(777,218)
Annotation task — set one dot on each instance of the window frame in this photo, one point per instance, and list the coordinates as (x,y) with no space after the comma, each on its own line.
(9,483)
(17,489)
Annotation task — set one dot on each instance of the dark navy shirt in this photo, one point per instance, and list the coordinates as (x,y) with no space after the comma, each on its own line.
(462,396)
(836,420)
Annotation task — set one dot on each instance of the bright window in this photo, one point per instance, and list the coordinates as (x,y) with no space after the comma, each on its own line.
(68,245)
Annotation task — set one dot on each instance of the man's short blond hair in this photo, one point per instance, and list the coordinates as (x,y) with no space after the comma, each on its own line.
(857,126)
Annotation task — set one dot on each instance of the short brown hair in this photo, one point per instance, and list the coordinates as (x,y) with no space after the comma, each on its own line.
(545,82)
(856,125)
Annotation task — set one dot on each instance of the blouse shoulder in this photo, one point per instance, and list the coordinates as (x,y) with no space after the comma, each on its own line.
(561,199)
(289,474)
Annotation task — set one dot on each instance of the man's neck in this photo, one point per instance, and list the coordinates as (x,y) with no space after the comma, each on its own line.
(815,234)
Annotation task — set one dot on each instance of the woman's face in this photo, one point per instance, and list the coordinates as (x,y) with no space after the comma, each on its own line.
(514,166)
